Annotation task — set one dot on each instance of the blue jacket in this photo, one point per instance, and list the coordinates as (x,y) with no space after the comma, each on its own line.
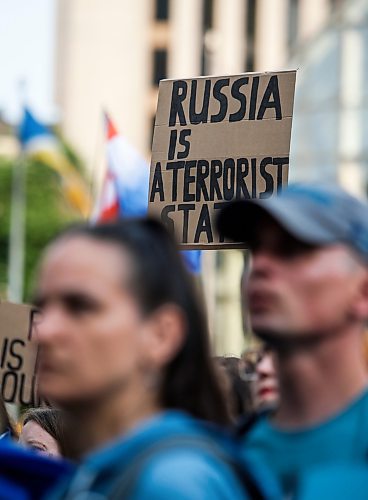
(168,456)
(26,475)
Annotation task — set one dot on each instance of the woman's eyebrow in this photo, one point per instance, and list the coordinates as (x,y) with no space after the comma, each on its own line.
(39,299)
(78,298)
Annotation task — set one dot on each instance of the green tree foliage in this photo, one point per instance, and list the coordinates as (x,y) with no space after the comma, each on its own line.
(5,185)
(46,215)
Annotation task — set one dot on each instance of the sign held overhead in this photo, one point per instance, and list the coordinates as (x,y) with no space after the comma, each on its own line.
(217,139)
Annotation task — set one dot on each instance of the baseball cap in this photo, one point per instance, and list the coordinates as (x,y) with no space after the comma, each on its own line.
(317,215)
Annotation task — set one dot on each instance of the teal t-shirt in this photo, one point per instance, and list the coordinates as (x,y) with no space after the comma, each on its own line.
(339,482)
(290,454)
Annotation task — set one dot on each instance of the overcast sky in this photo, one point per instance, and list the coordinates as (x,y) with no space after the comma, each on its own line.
(27,48)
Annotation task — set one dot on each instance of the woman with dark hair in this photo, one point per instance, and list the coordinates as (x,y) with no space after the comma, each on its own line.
(44,431)
(238,391)
(123,349)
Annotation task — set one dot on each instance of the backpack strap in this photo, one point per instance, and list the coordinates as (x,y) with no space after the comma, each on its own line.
(125,485)
(246,424)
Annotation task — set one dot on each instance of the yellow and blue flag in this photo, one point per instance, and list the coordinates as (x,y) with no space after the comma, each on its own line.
(39,142)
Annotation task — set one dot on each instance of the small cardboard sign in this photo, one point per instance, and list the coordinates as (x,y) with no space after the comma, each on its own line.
(218,139)
(18,355)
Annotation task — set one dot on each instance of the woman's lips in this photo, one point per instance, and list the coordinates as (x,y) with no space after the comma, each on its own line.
(266,388)
(266,391)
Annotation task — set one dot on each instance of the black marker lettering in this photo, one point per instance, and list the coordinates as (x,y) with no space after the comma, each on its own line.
(202,116)
(242,171)
(169,223)
(203,171)
(184,142)
(186,208)
(204,225)
(4,352)
(10,382)
(267,177)
(221,98)
(218,206)
(16,355)
(239,96)
(253,162)
(172,144)
(281,163)
(157,184)
(178,95)
(174,166)
(216,174)
(229,179)
(272,90)
(188,180)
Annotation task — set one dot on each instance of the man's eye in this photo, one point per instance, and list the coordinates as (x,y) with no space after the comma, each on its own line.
(290,250)
(290,247)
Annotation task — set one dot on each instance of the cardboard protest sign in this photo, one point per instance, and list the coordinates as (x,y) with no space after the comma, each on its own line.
(217,139)
(18,355)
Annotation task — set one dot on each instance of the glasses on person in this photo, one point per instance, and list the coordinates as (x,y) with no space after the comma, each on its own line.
(249,362)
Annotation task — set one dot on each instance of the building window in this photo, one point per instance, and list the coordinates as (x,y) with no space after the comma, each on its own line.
(293,22)
(162,10)
(159,65)
(207,15)
(206,30)
(335,4)
(250,35)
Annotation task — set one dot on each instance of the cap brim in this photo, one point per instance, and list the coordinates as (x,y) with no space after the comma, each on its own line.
(239,220)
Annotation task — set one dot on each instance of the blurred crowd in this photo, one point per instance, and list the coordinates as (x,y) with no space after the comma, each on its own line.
(138,406)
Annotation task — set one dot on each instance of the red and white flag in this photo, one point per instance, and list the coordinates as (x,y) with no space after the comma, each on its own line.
(107,207)
(126,183)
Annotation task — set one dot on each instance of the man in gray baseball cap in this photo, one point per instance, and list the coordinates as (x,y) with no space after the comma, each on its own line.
(308,298)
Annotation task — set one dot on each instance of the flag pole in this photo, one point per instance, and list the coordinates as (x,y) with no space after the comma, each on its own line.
(93,187)
(17,231)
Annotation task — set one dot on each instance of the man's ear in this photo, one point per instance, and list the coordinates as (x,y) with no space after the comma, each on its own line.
(165,334)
